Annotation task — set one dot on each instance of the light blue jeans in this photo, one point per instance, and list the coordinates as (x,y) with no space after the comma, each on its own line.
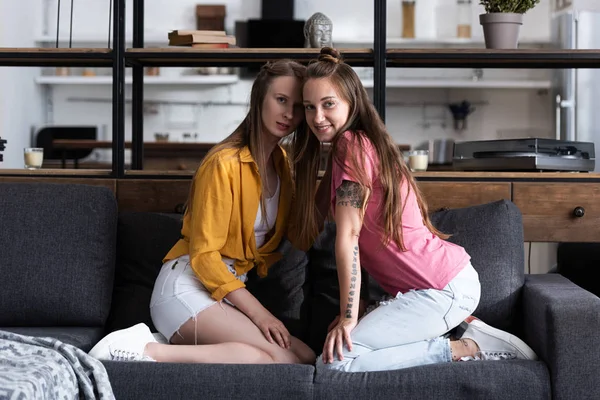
(408,330)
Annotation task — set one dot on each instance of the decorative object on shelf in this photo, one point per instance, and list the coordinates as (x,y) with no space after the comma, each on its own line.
(502,22)
(201,39)
(441,151)
(408,19)
(2,148)
(210,17)
(33,157)
(317,31)
(189,137)
(463,16)
(460,112)
(418,160)
(88,72)
(152,71)
(63,71)
(161,137)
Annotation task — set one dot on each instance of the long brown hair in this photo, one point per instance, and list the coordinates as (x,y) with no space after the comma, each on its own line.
(249,132)
(364,123)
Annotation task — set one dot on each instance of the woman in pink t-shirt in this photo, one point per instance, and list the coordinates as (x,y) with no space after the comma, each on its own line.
(383,230)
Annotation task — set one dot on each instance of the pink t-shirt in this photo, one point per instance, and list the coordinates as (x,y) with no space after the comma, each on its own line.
(428,262)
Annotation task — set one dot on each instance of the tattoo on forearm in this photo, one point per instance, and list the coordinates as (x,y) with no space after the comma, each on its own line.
(349,194)
(352,292)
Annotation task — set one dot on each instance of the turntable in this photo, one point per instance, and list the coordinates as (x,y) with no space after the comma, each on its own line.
(524,155)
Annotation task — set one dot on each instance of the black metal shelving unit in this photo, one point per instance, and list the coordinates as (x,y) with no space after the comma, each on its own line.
(379,57)
(86,57)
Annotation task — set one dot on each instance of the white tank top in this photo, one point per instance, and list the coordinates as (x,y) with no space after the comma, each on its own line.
(261,228)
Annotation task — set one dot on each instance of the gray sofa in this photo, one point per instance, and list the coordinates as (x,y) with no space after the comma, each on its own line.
(73,268)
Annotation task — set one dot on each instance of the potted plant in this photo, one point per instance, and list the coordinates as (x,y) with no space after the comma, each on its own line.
(502,21)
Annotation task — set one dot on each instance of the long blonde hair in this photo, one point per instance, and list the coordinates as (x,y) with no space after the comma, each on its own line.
(364,123)
(249,132)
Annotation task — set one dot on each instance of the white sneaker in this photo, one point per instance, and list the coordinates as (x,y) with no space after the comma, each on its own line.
(495,344)
(124,345)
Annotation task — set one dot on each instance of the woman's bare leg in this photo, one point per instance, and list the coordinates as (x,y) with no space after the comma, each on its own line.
(223,334)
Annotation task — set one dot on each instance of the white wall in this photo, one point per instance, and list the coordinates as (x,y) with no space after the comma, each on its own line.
(20,99)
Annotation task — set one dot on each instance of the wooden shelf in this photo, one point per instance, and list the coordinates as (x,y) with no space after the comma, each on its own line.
(508,176)
(56,172)
(148,80)
(92,57)
(186,56)
(488,58)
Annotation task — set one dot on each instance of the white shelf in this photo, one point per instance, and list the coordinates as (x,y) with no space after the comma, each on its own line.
(462,84)
(150,80)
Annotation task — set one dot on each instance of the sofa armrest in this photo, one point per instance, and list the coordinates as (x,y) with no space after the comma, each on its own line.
(562,325)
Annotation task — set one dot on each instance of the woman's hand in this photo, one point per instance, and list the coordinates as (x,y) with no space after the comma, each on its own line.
(336,337)
(273,329)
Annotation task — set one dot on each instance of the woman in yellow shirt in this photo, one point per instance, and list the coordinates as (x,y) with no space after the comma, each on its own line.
(237,214)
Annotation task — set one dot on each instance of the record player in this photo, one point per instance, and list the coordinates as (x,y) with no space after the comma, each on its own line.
(524,155)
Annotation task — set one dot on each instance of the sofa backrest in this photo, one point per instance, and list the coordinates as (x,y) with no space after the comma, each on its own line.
(144,238)
(492,234)
(57,254)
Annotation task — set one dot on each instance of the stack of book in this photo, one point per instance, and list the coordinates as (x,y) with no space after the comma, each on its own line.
(201,39)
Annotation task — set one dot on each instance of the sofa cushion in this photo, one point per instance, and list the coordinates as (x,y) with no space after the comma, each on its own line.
(143,239)
(148,380)
(58,253)
(491,233)
(514,379)
(84,338)
(282,291)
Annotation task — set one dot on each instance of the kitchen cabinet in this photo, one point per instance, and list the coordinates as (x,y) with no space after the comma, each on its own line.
(559,212)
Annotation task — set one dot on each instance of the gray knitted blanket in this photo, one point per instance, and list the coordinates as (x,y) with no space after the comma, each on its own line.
(46,368)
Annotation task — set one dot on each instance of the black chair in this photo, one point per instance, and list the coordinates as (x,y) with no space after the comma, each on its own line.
(46,136)
(2,148)
(579,262)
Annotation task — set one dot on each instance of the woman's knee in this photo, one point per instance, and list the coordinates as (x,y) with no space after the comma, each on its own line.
(306,355)
(336,365)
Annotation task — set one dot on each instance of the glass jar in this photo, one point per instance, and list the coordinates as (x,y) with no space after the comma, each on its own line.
(408,19)
(463,26)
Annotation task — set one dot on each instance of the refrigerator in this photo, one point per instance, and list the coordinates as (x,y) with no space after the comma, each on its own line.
(577,91)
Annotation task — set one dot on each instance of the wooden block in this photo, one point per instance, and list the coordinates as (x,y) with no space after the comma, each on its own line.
(210,10)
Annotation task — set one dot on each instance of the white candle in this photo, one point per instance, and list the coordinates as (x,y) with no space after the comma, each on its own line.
(33,158)
(418,160)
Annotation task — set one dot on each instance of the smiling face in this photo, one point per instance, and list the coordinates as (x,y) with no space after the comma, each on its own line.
(282,107)
(326,111)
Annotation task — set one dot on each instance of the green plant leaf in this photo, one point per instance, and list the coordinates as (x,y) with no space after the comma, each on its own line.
(508,6)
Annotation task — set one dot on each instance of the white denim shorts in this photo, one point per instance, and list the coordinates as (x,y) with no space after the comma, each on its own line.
(179,295)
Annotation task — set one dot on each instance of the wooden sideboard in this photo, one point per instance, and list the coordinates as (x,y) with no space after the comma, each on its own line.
(556,207)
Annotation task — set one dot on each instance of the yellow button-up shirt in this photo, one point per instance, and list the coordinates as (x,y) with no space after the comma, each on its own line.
(224,207)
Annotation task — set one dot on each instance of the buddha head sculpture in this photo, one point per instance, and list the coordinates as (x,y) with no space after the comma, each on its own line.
(317,31)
